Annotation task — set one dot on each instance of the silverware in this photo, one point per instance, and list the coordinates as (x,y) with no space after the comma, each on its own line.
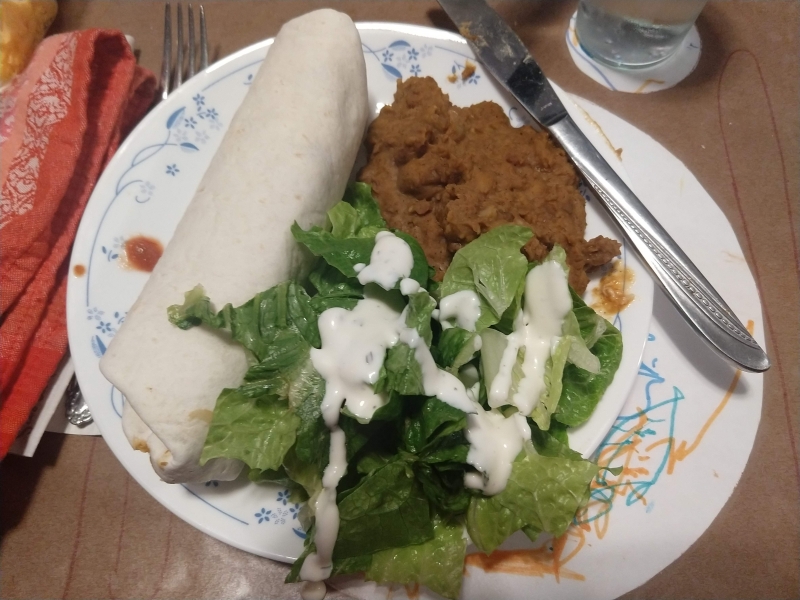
(172,75)
(506,57)
(75,406)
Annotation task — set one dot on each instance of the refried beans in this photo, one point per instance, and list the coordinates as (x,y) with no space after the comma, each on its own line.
(445,175)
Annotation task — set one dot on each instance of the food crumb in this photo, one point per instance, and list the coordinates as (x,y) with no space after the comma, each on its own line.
(452,78)
(469,70)
(79,270)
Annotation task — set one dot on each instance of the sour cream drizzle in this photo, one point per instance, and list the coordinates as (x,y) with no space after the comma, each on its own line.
(536,328)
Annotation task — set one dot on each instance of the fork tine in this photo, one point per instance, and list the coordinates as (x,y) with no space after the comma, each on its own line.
(190,51)
(179,53)
(166,58)
(203,39)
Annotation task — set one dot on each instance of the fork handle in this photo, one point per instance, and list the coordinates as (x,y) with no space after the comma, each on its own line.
(694,297)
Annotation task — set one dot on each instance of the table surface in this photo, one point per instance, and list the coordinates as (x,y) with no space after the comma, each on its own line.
(75,525)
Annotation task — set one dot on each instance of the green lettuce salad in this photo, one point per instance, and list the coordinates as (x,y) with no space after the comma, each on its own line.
(403,506)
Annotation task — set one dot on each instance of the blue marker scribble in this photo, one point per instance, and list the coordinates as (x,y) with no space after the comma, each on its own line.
(641,442)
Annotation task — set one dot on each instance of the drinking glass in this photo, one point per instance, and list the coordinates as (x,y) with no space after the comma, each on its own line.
(634,33)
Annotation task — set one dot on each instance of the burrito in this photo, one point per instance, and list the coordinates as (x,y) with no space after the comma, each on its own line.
(286,157)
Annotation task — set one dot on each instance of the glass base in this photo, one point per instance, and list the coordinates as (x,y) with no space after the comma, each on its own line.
(622,65)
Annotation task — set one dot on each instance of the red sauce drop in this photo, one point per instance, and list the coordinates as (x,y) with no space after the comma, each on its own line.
(79,270)
(142,253)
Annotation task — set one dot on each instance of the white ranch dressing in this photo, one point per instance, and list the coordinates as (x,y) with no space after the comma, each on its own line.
(536,328)
(353,347)
(409,286)
(391,260)
(354,343)
(494,443)
(318,565)
(463,306)
(436,382)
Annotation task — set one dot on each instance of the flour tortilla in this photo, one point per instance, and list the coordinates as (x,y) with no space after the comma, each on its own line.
(286,157)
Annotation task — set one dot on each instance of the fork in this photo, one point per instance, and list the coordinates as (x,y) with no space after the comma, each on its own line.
(172,75)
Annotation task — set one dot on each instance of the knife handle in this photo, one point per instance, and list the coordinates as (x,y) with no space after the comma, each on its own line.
(684,284)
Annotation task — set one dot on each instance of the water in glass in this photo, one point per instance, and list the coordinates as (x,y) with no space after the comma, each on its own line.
(634,33)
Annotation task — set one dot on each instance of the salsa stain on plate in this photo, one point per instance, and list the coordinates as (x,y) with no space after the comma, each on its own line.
(142,253)
(612,295)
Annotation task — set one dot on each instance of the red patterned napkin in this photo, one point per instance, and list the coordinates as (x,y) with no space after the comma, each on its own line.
(61,120)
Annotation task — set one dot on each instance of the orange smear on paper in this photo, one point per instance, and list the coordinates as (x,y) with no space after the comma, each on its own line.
(536,562)
(682,450)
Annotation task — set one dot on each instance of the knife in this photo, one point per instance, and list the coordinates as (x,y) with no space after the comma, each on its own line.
(505,56)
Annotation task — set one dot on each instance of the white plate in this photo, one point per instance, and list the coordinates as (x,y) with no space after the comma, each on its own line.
(147,186)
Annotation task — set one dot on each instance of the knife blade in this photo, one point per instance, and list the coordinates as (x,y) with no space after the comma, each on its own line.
(505,56)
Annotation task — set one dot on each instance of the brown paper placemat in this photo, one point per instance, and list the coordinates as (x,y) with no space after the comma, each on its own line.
(75,525)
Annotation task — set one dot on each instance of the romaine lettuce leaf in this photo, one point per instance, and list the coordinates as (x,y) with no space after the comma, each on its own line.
(195,310)
(402,372)
(307,475)
(342,253)
(552,442)
(489,523)
(456,348)
(387,509)
(443,484)
(542,491)
(313,437)
(257,431)
(553,372)
(579,353)
(354,224)
(421,270)
(591,325)
(331,283)
(582,390)
(359,196)
(435,419)
(493,266)
(493,345)
(284,366)
(420,309)
(437,564)
(259,322)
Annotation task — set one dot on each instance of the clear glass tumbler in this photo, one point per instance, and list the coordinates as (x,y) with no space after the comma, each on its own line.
(634,33)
